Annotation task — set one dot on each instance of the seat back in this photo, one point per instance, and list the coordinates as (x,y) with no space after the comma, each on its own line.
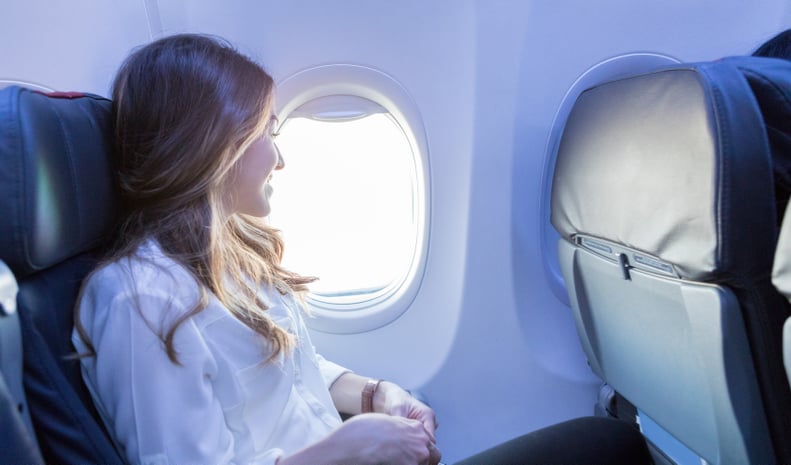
(781,278)
(664,198)
(787,348)
(59,202)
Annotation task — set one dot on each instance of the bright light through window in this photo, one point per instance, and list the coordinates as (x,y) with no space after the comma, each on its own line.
(346,203)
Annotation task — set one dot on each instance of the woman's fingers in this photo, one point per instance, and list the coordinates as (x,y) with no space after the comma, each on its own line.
(434,455)
(430,423)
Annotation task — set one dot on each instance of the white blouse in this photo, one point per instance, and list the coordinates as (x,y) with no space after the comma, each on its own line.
(221,404)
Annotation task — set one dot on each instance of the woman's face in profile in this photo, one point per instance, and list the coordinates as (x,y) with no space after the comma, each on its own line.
(248,189)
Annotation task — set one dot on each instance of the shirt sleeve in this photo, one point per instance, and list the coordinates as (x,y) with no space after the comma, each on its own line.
(159,412)
(330,371)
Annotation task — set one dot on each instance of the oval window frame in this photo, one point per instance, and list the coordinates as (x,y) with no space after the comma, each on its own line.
(380,308)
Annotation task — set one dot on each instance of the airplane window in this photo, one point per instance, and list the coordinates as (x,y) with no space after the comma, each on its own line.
(348,199)
(353,200)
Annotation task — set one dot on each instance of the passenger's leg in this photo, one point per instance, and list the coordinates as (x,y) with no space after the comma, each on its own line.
(582,441)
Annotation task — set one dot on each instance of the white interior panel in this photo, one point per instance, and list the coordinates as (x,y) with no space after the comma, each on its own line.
(69,45)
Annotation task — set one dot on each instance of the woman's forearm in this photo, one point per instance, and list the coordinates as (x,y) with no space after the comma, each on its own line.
(347,390)
(321,453)
(369,439)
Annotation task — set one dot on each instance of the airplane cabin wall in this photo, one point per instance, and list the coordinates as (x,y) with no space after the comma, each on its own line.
(69,44)
(486,341)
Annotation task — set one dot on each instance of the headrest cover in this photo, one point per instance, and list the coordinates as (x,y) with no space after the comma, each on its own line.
(675,163)
(58,192)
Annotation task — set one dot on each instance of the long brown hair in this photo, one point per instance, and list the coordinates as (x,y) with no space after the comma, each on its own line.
(186,107)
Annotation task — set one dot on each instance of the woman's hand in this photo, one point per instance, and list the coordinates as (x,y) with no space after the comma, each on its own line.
(392,399)
(389,439)
(372,439)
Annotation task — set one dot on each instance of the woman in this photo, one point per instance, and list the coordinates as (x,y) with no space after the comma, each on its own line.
(196,350)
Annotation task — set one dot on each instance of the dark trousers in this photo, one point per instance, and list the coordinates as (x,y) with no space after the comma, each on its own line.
(582,441)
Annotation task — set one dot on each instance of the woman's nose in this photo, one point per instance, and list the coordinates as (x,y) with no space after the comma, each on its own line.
(281,163)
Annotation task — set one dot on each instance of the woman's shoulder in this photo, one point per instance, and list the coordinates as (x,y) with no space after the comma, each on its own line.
(147,271)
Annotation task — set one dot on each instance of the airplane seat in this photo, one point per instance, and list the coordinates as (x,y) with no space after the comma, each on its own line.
(18,441)
(787,347)
(781,278)
(59,202)
(664,198)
